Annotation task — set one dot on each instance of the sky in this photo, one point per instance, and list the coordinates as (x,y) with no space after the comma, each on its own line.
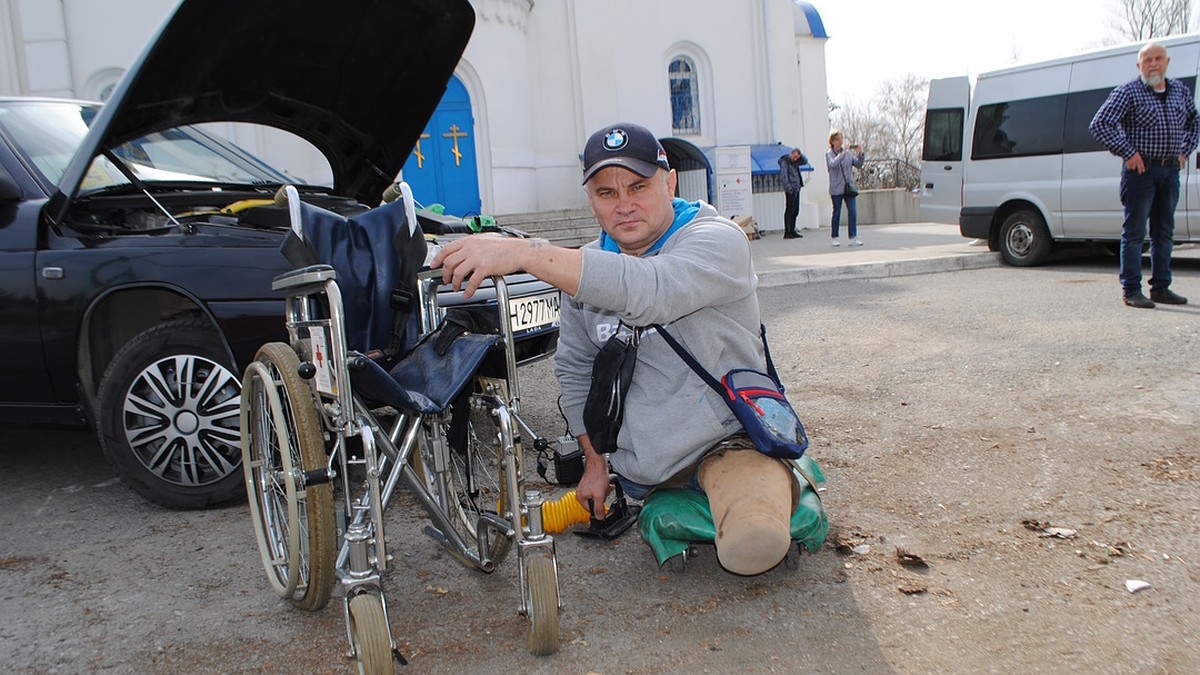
(871,41)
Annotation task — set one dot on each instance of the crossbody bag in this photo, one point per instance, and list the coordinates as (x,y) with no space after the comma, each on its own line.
(757,399)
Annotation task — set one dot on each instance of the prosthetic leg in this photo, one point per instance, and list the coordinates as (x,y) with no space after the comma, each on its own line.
(751,499)
(672,520)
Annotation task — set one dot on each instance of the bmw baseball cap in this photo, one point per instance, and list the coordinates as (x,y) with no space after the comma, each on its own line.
(631,146)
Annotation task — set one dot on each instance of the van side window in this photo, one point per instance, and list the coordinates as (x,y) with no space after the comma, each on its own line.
(1081,108)
(943,135)
(1033,126)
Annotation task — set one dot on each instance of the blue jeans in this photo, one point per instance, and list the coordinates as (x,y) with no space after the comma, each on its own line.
(851,215)
(638,491)
(1148,197)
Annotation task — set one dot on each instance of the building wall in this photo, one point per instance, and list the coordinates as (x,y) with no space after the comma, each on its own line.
(72,48)
(541,75)
(592,64)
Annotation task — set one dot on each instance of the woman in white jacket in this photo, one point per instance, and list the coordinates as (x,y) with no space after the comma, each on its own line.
(841,165)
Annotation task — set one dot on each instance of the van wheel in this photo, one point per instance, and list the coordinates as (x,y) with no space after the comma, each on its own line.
(1024,239)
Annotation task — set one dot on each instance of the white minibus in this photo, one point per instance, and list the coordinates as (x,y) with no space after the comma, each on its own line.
(1015,164)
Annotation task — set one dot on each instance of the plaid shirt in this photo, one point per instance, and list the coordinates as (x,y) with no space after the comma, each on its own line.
(1134,119)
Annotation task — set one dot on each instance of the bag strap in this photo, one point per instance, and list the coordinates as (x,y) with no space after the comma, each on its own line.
(762,327)
(704,374)
(690,360)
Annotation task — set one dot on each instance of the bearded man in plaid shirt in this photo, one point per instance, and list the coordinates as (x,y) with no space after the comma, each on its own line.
(1150,122)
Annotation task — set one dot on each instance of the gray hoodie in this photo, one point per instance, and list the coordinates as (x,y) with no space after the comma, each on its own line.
(701,286)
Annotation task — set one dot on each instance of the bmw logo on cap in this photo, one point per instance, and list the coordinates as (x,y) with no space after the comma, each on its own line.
(615,139)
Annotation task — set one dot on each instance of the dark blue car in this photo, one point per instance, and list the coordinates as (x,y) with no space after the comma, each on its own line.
(137,243)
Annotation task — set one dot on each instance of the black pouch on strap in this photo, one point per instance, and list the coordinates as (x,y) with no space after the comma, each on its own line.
(612,371)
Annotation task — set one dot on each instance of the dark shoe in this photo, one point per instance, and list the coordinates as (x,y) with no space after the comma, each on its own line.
(1138,300)
(789,236)
(1167,297)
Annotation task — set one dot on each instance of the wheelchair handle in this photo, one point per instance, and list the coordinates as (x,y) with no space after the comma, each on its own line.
(288,196)
(401,189)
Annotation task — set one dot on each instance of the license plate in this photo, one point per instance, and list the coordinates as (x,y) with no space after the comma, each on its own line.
(533,311)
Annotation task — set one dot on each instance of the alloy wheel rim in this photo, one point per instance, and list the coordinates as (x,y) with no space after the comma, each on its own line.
(181,420)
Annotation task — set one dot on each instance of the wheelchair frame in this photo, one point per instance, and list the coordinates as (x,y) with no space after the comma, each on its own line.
(292,486)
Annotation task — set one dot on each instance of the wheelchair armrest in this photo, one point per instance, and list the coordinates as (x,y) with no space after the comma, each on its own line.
(311,275)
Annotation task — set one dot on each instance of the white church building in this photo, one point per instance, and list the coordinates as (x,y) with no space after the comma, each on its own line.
(537,77)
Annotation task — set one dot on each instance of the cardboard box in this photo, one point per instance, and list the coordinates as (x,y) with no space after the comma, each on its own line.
(748,226)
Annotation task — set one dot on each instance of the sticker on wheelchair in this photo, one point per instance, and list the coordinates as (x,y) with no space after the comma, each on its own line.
(325,378)
(533,311)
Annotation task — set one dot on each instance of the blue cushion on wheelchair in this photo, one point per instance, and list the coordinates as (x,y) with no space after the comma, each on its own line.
(372,253)
(424,381)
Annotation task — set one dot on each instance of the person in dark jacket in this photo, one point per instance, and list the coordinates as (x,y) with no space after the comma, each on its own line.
(789,173)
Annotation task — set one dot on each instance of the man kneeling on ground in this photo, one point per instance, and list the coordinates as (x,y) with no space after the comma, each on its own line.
(658,260)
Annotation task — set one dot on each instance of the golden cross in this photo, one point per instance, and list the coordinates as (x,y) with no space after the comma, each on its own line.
(456,134)
(420,155)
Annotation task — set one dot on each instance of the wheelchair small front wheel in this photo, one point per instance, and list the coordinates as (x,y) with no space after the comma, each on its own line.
(281,438)
(372,641)
(543,605)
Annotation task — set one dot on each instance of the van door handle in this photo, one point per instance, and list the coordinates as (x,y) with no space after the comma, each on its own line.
(929,186)
(947,168)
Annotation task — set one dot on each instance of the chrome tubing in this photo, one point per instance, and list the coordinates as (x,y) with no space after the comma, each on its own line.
(510,354)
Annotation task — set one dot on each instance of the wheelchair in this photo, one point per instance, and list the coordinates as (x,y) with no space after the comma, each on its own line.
(373,391)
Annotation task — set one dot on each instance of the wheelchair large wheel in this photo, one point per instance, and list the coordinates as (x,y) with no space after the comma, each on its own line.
(281,438)
(371,638)
(474,481)
(543,605)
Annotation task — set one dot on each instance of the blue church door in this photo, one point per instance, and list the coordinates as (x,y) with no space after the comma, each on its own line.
(442,169)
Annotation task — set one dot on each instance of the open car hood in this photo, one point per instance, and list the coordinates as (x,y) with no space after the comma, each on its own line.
(356,78)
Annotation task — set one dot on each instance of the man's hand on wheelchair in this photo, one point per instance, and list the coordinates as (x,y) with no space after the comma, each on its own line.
(467,261)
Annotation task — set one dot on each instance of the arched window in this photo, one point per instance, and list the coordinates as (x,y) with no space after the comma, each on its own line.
(685,97)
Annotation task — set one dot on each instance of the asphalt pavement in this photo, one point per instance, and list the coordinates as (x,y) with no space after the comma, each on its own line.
(891,250)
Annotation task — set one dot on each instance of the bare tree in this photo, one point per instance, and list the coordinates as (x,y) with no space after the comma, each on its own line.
(1138,20)
(890,127)
(902,106)
(860,124)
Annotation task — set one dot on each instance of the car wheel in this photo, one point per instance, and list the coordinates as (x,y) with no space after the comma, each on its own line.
(168,417)
(1024,239)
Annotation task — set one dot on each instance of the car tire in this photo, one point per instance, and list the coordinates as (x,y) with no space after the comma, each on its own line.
(167,417)
(1024,239)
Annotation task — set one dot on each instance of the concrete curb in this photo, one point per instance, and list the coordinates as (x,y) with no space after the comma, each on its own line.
(878,270)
